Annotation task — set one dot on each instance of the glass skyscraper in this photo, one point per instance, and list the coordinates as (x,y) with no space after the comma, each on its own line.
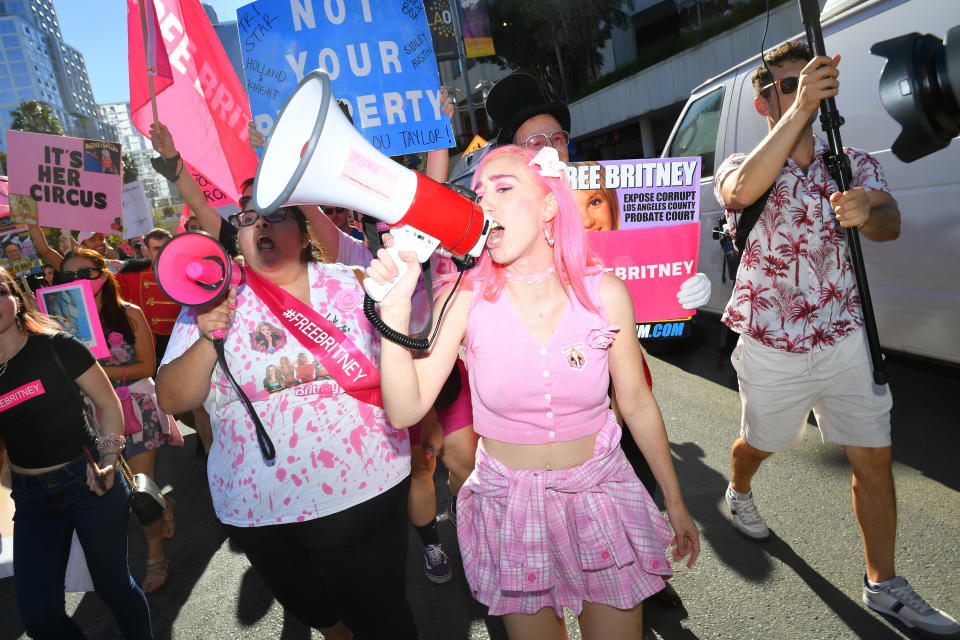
(36,64)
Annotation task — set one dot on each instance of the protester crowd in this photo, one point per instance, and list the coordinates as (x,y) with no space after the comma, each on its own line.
(535,393)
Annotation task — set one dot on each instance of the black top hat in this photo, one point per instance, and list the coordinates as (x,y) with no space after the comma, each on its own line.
(517,98)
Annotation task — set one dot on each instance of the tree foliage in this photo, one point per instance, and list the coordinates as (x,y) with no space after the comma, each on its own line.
(36,116)
(130,171)
(557,41)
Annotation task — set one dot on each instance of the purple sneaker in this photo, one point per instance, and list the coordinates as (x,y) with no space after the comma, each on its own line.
(436,565)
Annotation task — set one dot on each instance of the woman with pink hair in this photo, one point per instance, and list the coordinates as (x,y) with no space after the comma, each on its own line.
(553,515)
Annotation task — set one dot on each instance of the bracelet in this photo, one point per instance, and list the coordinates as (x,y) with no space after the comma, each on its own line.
(169,168)
(111,441)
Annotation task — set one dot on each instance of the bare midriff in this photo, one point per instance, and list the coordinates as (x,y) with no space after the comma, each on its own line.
(549,457)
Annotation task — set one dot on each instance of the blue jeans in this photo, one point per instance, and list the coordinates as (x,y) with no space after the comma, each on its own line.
(49,507)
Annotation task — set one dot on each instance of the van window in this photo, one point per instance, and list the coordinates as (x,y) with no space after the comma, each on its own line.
(697,133)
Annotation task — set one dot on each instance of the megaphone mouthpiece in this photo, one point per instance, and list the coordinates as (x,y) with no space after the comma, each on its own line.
(206,272)
(193,269)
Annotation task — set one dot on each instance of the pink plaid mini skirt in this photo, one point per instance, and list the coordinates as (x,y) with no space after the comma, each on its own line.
(532,539)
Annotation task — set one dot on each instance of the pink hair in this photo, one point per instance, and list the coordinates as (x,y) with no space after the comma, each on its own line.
(572,254)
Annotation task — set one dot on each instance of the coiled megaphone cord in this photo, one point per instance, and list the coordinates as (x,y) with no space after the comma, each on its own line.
(417,344)
(263,438)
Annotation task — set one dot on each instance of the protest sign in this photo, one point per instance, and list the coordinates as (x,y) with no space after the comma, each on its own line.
(638,194)
(18,255)
(137,216)
(215,196)
(4,197)
(647,217)
(73,306)
(379,56)
(75,183)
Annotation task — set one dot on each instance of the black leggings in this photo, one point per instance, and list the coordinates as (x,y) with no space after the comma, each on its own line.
(349,566)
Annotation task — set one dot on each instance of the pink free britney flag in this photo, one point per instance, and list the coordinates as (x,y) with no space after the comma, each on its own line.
(204,106)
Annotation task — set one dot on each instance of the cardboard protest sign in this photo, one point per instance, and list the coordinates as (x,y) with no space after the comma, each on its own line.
(215,196)
(646,215)
(137,216)
(74,183)
(379,56)
(73,306)
(639,194)
(18,255)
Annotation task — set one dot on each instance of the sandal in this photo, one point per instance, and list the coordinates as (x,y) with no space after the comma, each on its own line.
(169,526)
(158,569)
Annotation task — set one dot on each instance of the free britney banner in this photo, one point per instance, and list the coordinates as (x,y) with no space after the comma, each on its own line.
(646,217)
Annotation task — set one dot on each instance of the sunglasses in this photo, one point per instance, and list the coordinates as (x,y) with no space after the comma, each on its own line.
(249,217)
(786,85)
(331,210)
(556,139)
(84,273)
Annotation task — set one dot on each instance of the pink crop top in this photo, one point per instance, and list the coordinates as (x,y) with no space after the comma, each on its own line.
(527,393)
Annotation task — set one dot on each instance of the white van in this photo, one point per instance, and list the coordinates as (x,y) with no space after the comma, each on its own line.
(914,280)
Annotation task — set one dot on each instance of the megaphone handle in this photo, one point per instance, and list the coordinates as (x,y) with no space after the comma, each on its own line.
(263,438)
(405,238)
(379,291)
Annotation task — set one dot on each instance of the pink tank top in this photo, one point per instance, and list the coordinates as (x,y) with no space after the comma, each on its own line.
(524,392)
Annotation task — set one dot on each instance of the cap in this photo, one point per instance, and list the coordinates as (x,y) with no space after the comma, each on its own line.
(85,235)
(515,99)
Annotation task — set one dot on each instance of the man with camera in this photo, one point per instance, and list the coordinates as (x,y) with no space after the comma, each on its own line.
(796,307)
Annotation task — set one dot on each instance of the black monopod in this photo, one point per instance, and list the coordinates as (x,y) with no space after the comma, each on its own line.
(839,167)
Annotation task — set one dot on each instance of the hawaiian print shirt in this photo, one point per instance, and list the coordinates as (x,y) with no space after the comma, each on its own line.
(795,289)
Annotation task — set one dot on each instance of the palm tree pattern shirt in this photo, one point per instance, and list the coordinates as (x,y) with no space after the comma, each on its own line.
(795,288)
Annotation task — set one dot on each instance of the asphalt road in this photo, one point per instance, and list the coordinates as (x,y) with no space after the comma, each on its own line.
(802,584)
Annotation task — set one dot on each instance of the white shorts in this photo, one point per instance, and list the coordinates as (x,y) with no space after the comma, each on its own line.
(778,389)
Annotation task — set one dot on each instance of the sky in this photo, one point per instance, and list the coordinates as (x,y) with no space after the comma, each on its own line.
(98,29)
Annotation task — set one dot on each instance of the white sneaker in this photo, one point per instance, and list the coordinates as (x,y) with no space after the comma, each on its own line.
(899,600)
(746,518)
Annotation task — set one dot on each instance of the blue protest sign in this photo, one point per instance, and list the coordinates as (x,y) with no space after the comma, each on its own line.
(379,56)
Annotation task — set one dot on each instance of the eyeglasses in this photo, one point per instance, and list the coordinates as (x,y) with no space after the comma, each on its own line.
(249,217)
(786,85)
(556,139)
(83,273)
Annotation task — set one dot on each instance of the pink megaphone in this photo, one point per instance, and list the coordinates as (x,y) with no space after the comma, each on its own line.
(194,270)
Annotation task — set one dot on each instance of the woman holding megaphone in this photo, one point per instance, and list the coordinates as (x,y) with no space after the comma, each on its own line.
(553,515)
(322,517)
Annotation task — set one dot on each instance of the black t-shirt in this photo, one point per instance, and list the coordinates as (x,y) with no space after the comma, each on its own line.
(41,414)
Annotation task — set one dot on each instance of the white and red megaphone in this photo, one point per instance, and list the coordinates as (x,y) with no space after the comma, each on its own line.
(315,156)
(193,269)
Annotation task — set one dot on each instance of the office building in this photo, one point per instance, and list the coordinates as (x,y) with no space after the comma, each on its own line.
(36,64)
(137,148)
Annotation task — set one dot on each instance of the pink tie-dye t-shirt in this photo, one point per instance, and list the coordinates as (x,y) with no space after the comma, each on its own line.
(333,451)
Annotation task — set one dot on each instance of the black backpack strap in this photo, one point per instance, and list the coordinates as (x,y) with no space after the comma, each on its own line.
(749,217)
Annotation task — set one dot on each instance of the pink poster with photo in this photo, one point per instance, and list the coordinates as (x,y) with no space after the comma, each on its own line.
(653,263)
(67,183)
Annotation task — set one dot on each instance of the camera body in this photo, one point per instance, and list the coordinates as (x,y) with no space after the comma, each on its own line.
(731,257)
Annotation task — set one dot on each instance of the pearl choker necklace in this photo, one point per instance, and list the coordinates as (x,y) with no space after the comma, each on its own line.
(528,278)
